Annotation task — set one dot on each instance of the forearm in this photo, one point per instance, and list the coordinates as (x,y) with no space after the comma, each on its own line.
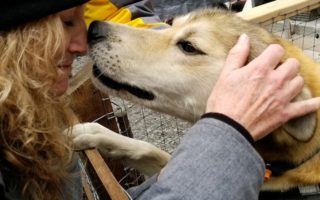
(213,161)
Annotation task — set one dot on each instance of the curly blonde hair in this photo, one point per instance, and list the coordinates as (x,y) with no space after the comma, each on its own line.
(32,117)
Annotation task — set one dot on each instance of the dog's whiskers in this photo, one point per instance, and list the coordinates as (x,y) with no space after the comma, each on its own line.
(101,72)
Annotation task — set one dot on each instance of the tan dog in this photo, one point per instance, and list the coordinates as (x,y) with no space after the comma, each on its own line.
(173,71)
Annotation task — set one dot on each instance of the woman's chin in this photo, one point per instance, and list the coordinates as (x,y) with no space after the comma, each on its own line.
(61,87)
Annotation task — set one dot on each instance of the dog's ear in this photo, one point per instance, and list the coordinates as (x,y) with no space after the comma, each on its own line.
(302,128)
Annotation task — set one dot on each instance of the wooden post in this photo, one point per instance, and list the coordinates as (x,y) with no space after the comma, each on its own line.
(105,175)
(278,10)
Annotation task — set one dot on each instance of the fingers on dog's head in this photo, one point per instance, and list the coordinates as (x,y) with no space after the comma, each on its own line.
(269,58)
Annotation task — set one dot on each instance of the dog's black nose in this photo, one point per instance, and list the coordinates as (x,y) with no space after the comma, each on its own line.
(97,31)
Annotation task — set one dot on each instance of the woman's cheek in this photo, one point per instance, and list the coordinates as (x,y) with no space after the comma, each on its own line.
(62,82)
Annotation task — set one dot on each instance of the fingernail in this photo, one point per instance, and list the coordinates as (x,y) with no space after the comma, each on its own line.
(243,39)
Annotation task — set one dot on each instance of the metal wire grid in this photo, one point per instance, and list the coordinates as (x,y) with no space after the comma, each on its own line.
(302,30)
(162,130)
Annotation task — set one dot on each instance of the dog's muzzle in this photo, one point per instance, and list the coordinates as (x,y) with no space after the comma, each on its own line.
(111,83)
(97,32)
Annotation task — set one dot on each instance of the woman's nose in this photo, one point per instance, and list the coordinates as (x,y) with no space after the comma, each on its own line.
(78,44)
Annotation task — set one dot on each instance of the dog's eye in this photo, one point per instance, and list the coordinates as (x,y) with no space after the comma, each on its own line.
(188,48)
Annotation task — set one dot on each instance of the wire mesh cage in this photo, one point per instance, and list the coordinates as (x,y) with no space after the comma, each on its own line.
(299,24)
(301,32)
(160,129)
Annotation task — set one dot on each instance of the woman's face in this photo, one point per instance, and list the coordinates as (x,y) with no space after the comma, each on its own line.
(76,44)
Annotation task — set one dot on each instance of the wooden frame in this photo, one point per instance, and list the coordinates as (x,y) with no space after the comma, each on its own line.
(278,10)
(105,175)
(274,11)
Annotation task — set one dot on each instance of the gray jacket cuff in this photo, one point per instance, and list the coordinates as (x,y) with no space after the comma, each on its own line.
(243,131)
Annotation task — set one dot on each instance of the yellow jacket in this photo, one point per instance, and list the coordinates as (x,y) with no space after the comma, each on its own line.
(136,13)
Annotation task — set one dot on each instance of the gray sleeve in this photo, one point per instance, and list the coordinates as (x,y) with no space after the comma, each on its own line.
(213,161)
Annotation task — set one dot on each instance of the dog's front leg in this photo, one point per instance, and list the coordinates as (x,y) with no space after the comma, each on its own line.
(141,155)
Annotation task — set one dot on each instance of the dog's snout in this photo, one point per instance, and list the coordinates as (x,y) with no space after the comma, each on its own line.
(97,31)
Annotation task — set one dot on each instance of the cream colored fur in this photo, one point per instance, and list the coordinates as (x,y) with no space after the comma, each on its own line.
(141,155)
(154,61)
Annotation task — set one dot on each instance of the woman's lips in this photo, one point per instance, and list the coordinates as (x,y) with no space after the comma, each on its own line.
(62,82)
(66,69)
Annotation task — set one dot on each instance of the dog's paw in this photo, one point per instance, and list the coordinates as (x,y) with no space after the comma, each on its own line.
(85,141)
(148,159)
(85,128)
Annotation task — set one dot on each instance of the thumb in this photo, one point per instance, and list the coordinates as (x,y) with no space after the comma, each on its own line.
(238,55)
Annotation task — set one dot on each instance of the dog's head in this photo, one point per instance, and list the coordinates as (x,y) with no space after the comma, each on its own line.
(171,70)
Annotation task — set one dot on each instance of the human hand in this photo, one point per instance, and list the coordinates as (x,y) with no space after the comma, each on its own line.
(257,95)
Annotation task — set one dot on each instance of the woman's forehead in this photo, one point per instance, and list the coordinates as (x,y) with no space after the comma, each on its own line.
(72,12)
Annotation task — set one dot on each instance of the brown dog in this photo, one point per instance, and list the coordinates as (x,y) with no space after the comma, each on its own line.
(173,71)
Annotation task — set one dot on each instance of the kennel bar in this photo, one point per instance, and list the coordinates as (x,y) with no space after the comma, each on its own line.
(278,10)
(132,120)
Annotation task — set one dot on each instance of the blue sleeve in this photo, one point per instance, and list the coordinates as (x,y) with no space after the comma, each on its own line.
(213,161)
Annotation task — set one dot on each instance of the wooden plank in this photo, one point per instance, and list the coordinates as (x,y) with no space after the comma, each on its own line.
(283,17)
(278,10)
(86,187)
(105,175)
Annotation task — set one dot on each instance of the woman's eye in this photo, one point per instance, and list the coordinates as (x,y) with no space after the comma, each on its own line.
(68,23)
(188,48)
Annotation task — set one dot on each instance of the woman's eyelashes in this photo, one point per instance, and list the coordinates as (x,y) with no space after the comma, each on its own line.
(69,23)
